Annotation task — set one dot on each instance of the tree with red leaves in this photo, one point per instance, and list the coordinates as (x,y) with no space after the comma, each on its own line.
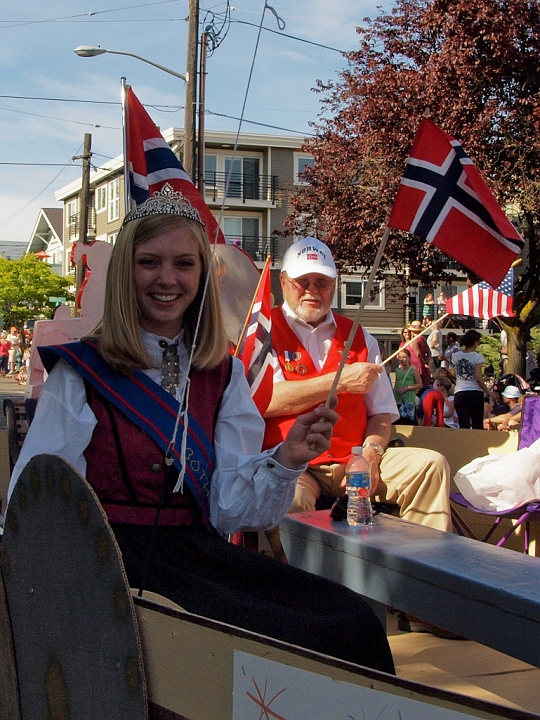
(473,67)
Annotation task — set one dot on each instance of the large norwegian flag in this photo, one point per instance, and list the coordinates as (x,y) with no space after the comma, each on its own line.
(151,163)
(443,199)
(256,350)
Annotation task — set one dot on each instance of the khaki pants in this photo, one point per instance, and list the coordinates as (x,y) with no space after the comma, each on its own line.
(418,480)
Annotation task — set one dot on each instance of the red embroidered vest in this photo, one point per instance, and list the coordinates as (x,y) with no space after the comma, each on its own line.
(351,426)
(126,467)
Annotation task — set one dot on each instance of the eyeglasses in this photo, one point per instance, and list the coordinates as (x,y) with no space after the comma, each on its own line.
(301,284)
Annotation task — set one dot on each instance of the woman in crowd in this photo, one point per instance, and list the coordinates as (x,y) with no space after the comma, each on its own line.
(5,347)
(443,372)
(15,340)
(420,352)
(470,385)
(407,384)
(159,359)
(428,308)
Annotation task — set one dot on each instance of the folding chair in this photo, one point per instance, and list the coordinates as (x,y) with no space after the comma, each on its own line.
(523,515)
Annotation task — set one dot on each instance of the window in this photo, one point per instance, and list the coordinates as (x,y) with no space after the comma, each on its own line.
(244,177)
(301,162)
(112,238)
(210,170)
(72,212)
(352,290)
(113,197)
(101,198)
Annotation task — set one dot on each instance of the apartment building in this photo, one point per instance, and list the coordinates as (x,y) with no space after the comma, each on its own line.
(248,191)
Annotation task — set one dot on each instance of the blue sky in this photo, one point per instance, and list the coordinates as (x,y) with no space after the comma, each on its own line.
(37,60)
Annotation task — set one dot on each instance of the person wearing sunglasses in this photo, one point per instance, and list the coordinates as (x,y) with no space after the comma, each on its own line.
(308,341)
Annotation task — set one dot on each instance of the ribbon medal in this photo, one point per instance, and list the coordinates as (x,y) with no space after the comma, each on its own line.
(289,367)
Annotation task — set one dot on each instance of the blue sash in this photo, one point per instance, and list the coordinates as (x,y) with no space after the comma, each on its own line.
(147,405)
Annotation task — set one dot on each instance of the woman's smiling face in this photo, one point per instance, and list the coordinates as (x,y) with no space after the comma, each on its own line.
(167,271)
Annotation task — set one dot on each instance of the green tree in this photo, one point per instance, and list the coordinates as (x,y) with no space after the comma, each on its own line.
(25,288)
(472,66)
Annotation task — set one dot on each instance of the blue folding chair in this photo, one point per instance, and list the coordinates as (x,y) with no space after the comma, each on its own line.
(523,515)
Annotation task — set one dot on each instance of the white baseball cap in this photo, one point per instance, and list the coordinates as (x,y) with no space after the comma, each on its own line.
(511,391)
(308,255)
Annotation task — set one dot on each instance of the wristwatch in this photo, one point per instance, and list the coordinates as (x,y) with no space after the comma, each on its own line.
(378,448)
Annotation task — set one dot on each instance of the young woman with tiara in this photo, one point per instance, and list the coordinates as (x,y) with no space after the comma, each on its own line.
(158,417)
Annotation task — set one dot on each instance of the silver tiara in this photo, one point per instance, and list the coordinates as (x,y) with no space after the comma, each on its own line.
(166,201)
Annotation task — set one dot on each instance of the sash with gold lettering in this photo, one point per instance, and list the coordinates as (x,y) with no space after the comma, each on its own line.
(147,405)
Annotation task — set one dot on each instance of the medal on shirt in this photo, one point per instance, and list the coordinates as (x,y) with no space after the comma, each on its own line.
(289,367)
(297,356)
(301,369)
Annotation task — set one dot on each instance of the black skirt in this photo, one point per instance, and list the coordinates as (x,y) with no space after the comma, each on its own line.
(210,577)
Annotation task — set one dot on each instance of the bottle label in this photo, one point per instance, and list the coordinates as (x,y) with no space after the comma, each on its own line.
(359,480)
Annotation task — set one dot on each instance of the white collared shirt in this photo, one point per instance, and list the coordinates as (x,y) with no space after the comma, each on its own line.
(317,341)
(249,489)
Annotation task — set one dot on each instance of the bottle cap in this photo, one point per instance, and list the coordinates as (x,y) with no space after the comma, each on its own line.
(357,450)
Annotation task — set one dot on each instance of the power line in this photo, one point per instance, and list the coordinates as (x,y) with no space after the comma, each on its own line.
(49,117)
(27,164)
(92,13)
(53,99)
(254,122)
(64,168)
(160,108)
(292,37)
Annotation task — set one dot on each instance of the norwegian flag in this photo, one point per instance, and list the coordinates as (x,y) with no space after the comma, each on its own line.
(443,199)
(256,350)
(151,163)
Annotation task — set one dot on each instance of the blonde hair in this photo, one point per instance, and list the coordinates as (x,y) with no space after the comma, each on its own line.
(118,334)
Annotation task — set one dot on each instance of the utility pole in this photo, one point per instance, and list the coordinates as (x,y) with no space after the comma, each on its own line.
(190,163)
(84,203)
(200,142)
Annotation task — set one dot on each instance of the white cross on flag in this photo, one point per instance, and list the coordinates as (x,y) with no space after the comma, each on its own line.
(443,199)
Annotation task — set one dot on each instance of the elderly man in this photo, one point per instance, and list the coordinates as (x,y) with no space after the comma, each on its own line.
(309,340)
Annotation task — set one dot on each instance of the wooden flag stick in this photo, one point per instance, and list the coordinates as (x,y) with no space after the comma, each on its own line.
(409,342)
(254,298)
(356,323)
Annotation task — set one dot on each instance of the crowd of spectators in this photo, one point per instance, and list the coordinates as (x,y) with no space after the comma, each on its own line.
(459,387)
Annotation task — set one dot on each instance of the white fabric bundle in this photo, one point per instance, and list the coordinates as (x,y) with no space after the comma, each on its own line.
(502,482)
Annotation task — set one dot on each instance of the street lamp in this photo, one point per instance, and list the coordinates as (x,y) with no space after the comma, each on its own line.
(89,51)
(189,129)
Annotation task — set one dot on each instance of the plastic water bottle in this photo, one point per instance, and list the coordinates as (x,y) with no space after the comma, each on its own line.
(358,476)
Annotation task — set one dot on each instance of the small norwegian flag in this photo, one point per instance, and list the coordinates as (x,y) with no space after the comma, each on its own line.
(443,199)
(256,351)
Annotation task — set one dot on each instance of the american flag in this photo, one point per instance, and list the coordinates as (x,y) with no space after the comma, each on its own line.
(256,349)
(482,301)
(443,199)
(151,163)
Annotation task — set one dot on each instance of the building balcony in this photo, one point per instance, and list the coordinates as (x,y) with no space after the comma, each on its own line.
(245,188)
(257,247)
(74,221)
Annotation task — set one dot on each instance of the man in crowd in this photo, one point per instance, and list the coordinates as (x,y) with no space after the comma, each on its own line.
(511,419)
(309,340)
(452,347)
